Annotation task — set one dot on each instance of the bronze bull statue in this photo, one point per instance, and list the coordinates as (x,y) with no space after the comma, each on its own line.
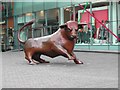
(59,43)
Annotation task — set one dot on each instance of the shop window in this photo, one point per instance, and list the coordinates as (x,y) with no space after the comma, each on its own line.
(93,32)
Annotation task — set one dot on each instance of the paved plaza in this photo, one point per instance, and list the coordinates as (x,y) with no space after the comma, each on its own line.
(100,70)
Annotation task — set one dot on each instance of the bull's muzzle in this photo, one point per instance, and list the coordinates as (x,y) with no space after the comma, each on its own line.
(73,37)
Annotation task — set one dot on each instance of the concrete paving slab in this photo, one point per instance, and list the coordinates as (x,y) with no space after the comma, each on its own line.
(100,70)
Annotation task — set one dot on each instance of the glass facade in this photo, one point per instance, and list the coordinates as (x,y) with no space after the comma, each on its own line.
(7,26)
(49,15)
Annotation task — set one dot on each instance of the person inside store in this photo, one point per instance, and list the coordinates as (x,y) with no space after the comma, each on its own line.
(106,35)
(80,35)
(86,34)
(102,31)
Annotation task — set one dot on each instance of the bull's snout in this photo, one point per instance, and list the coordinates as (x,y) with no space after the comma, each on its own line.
(73,36)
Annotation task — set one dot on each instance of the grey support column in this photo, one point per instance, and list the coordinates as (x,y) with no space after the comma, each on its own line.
(91,23)
(74,13)
(46,23)
(46,19)
(0,32)
(15,32)
(7,38)
(33,25)
(61,16)
(110,20)
(114,19)
(119,19)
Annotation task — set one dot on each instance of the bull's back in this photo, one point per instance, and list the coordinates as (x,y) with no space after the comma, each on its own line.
(40,46)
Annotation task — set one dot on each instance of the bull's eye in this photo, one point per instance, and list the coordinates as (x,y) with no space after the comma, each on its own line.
(69,30)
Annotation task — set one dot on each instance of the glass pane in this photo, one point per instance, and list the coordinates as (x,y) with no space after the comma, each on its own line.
(37,6)
(63,4)
(27,7)
(50,5)
(18,7)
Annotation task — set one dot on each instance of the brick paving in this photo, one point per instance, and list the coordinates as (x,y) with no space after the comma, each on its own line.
(100,70)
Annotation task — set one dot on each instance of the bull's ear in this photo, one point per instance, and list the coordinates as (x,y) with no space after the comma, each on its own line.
(80,26)
(63,26)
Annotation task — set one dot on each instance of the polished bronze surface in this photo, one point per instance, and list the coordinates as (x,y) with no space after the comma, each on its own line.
(60,43)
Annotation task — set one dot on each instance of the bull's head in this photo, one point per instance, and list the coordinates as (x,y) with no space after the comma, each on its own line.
(71,29)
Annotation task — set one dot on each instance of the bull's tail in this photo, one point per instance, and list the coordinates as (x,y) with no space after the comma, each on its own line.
(27,24)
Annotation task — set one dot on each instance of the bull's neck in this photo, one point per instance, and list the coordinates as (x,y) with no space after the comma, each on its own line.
(61,33)
(60,37)
(65,35)
(68,44)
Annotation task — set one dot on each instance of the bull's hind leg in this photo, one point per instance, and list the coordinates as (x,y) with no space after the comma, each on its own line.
(28,56)
(36,57)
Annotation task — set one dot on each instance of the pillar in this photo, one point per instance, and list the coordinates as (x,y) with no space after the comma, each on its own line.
(33,25)
(119,23)
(74,16)
(0,27)
(61,18)
(110,19)
(114,21)
(91,41)
(15,32)
(1,56)
(7,38)
(46,20)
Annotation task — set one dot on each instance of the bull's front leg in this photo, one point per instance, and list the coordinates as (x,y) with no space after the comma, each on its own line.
(76,59)
(70,56)
(63,51)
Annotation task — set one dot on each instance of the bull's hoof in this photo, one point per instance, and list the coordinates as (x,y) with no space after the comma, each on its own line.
(78,62)
(32,63)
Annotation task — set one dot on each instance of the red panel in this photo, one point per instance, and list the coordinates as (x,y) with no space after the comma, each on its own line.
(100,15)
(85,17)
